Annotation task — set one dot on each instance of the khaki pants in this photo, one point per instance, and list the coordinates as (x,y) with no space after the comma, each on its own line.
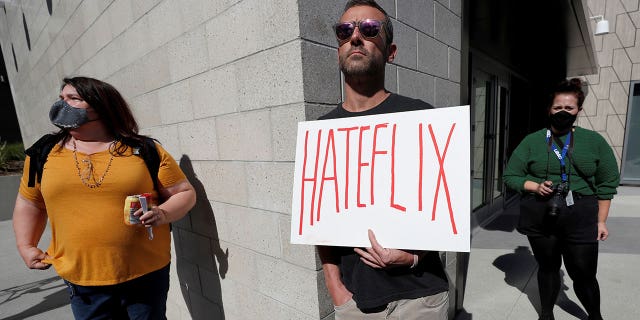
(433,307)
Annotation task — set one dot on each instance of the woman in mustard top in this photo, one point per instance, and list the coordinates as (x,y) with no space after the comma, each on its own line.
(113,269)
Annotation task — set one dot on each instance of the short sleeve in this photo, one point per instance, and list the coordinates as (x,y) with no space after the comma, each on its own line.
(30,193)
(169,172)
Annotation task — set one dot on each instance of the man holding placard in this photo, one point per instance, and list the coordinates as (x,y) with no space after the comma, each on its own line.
(377,282)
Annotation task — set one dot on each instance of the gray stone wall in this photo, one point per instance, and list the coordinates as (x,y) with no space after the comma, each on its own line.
(618,58)
(222,84)
(219,83)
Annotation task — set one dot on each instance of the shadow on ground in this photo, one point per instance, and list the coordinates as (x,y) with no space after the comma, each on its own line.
(52,301)
(516,267)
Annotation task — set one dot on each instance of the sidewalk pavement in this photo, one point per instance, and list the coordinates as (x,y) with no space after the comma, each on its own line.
(501,279)
(25,293)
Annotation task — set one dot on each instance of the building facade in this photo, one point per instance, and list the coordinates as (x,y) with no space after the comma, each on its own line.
(222,85)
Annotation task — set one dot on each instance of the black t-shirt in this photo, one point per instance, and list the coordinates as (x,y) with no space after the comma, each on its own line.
(373,288)
(393,103)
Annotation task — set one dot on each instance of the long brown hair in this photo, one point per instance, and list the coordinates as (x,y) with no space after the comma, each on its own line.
(111,107)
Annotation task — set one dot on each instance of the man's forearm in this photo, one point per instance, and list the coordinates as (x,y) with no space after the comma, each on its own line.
(330,267)
(332,277)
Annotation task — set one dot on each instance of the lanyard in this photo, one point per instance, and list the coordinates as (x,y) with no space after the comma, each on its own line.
(561,155)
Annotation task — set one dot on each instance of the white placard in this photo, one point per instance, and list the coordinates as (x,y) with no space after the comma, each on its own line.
(404,175)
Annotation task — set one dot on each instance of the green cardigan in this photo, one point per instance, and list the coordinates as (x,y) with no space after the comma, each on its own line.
(591,154)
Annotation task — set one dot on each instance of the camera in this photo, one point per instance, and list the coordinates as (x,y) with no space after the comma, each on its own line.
(557,199)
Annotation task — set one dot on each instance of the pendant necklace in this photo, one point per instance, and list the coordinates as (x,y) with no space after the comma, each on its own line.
(87,175)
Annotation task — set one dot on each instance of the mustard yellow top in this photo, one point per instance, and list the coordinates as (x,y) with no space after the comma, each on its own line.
(90,243)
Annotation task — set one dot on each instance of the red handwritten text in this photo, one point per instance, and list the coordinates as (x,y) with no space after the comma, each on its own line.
(368,146)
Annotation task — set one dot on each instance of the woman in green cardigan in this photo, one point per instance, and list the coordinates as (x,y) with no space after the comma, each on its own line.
(567,177)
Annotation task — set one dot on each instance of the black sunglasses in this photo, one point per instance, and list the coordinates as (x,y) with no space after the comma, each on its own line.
(369,28)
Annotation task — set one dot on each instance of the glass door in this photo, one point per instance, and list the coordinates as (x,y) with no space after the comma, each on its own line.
(499,141)
(490,105)
(482,97)
(630,173)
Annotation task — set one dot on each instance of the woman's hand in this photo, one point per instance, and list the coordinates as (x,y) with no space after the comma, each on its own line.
(603,232)
(33,257)
(154,217)
(180,198)
(29,222)
(542,189)
(603,213)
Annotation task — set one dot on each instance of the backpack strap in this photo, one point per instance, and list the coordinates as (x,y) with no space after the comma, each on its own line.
(38,154)
(149,154)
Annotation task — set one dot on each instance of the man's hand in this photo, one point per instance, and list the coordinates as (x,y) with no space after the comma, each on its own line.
(380,258)
(340,295)
(33,257)
(338,292)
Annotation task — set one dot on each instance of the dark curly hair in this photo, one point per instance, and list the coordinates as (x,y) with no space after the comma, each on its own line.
(570,86)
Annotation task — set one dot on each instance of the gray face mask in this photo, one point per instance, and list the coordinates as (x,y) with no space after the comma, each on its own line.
(64,116)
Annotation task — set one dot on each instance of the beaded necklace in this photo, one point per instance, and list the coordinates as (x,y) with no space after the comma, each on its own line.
(87,175)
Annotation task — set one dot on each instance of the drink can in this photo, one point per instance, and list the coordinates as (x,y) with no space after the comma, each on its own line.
(131,205)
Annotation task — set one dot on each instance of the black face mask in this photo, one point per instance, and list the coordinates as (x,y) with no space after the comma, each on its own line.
(562,120)
(64,116)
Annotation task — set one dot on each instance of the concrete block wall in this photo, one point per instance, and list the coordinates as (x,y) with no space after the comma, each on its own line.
(219,83)
(222,84)
(618,57)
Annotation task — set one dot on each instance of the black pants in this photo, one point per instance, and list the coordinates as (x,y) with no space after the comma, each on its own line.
(581,262)
(569,236)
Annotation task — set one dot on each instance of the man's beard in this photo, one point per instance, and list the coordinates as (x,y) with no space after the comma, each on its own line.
(362,66)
